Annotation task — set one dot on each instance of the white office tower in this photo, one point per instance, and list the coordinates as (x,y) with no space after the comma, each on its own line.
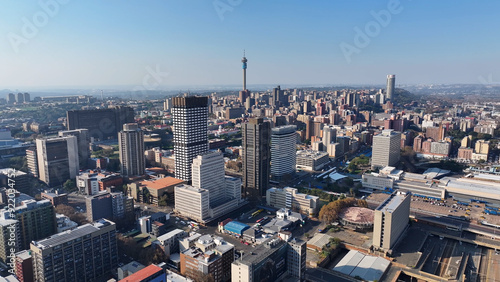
(208,173)
(329,136)
(212,194)
(391,81)
(283,150)
(386,149)
(57,159)
(190,117)
(131,145)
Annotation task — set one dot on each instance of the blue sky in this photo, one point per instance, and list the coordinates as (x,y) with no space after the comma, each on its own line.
(117,43)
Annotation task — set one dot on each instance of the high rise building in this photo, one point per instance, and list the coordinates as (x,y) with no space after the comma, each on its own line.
(390,220)
(256,157)
(283,150)
(57,159)
(32,161)
(482,147)
(102,123)
(208,173)
(296,259)
(108,205)
(8,227)
(329,136)
(20,98)
(167,104)
(131,145)
(86,253)
(36,220)
(24,266)
(83,140)
(190,117)
(27,97)
(386,149)
(391,81)
(11,98)
(192,202)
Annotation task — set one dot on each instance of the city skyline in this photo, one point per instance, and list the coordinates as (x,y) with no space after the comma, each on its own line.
(173,44)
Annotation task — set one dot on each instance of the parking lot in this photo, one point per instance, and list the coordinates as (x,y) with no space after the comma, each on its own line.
(449,207)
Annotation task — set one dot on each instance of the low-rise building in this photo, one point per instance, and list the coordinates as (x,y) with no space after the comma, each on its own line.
(211,255)
(169,242)
(55,198)
(129,269)
(152,273)
(290,198)
(271,261)
(151,191)
(312,160)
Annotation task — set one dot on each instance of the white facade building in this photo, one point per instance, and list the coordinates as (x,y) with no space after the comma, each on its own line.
(290,198)
(192,202)
(386,149)
(208,173)
(283,151)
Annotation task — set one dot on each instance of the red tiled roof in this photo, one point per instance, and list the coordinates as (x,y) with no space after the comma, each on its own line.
(142,274)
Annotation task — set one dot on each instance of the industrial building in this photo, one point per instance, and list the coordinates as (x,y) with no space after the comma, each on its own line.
(235,228)
(357,264)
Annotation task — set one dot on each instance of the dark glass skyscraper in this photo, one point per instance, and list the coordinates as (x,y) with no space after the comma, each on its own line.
(256,157)
(101,123)
(190,116)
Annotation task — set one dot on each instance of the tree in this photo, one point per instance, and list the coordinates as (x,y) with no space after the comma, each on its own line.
(69,185)
(70,212)
(199,276)
(163,200)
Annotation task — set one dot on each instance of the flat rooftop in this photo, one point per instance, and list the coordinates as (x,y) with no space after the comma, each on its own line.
(260,252)
(70,235)
(392,203)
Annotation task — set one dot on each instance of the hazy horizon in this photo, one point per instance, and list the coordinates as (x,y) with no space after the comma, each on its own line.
(54,44)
